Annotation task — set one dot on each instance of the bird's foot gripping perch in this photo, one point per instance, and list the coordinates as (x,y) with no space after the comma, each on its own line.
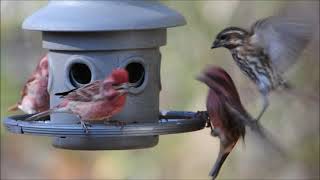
(204,116)
(85,126)
(215,132)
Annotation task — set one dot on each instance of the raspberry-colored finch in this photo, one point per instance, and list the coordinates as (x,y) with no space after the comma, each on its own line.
(266,51)
(98,100)
(34,95)
(227,116)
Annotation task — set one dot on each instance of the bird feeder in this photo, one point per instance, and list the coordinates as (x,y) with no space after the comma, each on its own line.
(86,40)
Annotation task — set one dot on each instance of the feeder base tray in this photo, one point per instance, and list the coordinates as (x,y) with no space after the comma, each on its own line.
(105,136)
(105,143)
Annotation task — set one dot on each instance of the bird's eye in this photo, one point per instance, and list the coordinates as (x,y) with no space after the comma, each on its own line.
(223,37)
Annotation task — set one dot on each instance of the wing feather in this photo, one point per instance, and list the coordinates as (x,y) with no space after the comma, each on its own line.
(84,94)
(282,38)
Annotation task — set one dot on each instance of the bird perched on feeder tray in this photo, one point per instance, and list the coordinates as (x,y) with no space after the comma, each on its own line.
(266,51)
(227,116)
(34,95)
(98,100)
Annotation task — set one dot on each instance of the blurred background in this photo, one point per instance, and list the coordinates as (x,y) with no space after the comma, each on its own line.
(293,120)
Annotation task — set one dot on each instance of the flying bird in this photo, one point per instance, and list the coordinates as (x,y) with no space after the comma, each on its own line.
(266,51)
(227,116)
(99,100)
(34,95)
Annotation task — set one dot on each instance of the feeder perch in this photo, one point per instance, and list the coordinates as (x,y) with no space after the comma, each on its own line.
(86,40)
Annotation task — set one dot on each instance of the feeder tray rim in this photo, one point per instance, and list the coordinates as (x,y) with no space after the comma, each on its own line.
(171,123)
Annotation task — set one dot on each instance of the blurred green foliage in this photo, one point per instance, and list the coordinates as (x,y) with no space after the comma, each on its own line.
(294,120)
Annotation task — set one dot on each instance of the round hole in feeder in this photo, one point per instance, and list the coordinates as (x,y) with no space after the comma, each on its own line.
(136,73)
(79,74)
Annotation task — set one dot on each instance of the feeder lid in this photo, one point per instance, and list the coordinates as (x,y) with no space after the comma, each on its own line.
(84,16)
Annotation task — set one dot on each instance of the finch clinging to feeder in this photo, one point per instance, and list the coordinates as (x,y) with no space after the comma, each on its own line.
(266,51)
(227,115)
(98,100)
(34,95)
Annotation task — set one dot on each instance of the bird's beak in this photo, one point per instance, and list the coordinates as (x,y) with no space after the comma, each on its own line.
(215,44)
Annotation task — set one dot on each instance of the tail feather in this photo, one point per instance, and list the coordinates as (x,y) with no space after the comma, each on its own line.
(292,90)
(307,96)
(13,107)
(40,115)
(222,156)
(266,136)
(48,112)
(257,128)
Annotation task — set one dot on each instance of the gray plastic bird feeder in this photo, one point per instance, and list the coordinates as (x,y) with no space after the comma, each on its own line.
(85,41)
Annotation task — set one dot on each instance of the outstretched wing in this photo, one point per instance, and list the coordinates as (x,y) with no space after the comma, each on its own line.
(282,38)
(256,127)
(85,93)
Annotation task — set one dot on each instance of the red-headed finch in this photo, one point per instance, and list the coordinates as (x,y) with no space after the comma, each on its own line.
(34,95)
(227,116)
(98,100)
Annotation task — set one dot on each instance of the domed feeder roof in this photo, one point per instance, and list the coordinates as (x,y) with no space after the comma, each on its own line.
(84,16)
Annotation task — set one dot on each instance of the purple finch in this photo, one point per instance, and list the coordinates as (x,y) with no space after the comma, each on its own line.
(98,100)
(34,95)
(227,116)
